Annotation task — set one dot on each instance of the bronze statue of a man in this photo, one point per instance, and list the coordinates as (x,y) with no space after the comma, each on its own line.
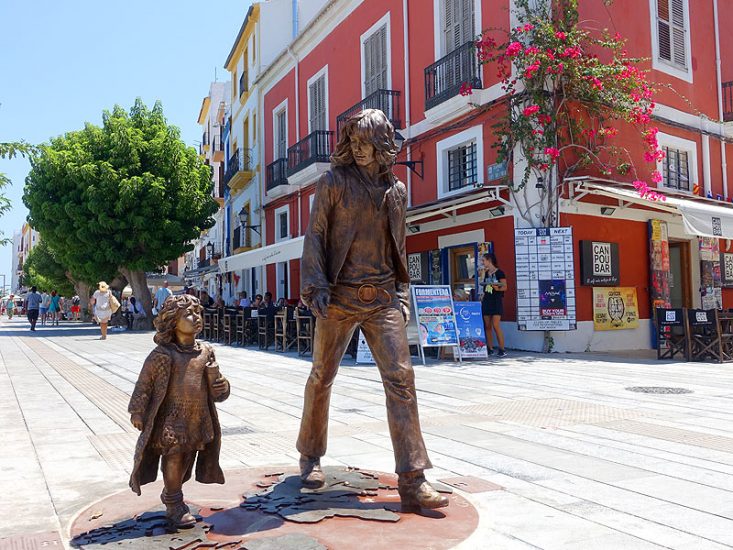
(354,273)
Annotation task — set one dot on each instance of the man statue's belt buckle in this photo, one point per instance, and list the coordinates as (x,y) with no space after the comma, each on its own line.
(367,294)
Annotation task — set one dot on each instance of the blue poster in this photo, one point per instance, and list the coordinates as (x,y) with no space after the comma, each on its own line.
(471,329)
(436,321)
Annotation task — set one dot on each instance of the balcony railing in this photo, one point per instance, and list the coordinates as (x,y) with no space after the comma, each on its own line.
(216,144)
(205,138)
(237,238)
(444,78)
(206,262)
(315,147)
(728,101)
(241,238)
(240,161)
(277,174)
(387,101)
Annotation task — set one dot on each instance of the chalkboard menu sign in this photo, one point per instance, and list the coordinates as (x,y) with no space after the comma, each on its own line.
(436,273)
(726,269)
(599,263)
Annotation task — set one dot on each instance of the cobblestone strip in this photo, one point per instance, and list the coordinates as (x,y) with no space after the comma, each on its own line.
(110,400)
(675,435)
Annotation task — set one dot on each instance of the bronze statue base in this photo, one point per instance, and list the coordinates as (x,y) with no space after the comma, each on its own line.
(260,508)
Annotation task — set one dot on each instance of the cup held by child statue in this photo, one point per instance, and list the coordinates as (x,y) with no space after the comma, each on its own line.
(173,405)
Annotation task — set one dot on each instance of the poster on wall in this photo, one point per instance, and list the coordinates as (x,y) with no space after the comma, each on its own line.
(659,272)
(711,282)
(436,319)
(436,273)
(726,269)
(599,263)
(545,267)
(615,308)
(471,331)
(363,353)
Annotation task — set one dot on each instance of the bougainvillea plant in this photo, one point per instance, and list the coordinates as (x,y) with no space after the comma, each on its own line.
(569,90)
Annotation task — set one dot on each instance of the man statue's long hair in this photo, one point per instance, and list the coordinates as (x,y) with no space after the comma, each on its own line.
(373,126)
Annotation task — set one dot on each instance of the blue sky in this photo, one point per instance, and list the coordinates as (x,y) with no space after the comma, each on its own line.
(63,63)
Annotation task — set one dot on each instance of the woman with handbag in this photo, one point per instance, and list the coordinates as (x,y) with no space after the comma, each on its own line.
(105,304)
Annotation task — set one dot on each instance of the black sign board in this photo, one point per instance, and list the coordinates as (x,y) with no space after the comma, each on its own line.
(726,269)
(599,263)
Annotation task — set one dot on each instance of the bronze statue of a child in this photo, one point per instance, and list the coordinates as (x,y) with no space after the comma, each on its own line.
(173,406)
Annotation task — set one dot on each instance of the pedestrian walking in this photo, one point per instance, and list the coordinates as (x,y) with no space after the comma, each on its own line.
(54,307)
(33,306)
(105,304)
(10,306)
(76,308)
(43,310)
(161,295)
(135,312)
(492,303)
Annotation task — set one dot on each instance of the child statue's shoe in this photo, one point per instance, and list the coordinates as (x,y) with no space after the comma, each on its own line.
(176,511)
(416,493)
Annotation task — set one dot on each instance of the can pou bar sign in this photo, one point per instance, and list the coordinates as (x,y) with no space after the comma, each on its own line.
(599,263)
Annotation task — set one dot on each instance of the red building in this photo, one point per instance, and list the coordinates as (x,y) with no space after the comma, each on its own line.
(410,58)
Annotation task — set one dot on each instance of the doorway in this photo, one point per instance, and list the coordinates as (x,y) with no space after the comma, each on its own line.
(463,271)
(679,270)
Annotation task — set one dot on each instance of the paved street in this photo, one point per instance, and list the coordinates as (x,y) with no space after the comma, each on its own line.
(582,462)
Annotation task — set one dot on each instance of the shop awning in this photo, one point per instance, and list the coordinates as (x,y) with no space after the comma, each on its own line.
(448,207)
(291,249)
(701,216)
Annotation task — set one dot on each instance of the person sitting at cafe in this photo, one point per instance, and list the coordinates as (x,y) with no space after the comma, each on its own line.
(243,300)
(257,302)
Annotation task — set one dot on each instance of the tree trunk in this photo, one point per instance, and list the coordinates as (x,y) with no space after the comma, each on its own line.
(139,283)
(84,291)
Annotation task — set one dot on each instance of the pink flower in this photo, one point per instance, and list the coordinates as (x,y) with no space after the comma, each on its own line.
(552,152)
(656,176)
(528,27)
(513,49)
(466,89)
(560,35)
(544,119)
(531,110)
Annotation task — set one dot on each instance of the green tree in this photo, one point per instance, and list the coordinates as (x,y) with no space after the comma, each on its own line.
(43,270)
(126,197)
(8,151)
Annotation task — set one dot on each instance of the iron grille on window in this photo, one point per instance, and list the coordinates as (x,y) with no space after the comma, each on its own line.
(283,220)
(676,170)
(462,167)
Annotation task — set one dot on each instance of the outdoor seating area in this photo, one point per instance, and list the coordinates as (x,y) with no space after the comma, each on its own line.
(695,334)
(287,328)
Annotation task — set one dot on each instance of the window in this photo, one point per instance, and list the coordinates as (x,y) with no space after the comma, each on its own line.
(375,61)
(460,162)
(318,101)
(671,37)
(282,280)
(376,57)
(282,223)
(310,202)
(458,23)
(676,169)
(462,167)
(679,166)
(281,134)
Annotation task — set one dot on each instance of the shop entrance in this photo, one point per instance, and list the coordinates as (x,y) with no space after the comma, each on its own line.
(462,262)
(679,268)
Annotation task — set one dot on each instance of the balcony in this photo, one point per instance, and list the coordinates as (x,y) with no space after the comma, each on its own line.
(217,149)
(205,262)
(277,174)
(444,78)
(242,238)
(387,101)
(315,147)
(240,169)
(728,101)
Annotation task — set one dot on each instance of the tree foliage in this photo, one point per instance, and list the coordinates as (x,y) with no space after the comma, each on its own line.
(569,90)
(126,197)
(9,150)
(43,270)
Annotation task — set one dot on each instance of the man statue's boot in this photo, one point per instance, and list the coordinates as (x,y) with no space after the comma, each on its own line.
(416,493)
(176,511)
(310,472)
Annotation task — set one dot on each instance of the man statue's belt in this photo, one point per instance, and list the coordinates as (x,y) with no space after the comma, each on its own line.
(367,294)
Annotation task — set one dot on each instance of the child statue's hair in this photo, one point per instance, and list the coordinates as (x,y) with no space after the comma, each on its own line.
(168,316)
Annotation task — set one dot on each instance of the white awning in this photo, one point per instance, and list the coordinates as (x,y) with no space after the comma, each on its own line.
(283,251)
(701,216)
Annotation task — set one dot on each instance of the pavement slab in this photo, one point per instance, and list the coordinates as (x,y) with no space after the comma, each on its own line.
(568,456)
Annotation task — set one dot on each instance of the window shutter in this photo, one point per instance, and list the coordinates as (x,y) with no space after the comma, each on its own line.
(678,33)
(318,105)
(664,31)
(458,21)
(282,138)
(375,61)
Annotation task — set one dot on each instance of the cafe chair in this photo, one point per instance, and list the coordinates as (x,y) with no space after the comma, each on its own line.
(304,327)
(707,340)
(672,338)
(208,330)
(265,330)
(229,325)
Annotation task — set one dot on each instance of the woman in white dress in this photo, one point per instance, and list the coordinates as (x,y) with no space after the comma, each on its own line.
(102,308)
